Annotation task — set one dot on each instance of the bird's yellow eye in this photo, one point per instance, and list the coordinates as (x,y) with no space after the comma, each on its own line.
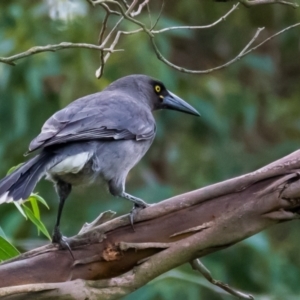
(157,89)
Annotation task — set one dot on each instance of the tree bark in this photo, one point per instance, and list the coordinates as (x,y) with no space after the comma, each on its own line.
(113,260)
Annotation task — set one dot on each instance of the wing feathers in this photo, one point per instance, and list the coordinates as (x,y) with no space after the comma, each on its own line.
(100,116)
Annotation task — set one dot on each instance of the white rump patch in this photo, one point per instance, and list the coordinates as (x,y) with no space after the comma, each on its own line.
(71,164)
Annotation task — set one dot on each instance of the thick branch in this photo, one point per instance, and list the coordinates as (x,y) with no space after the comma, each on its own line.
(112,260)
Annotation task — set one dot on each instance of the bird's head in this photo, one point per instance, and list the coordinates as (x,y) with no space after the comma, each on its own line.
(153,93)
(161,98)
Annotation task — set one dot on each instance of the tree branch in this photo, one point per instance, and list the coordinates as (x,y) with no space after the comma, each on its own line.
(243,53)
(52,48)
(198,266)
(223,18)
(113,261)
(250,3)
(126,11)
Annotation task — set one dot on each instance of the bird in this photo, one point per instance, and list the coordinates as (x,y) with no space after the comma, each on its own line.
(97,138)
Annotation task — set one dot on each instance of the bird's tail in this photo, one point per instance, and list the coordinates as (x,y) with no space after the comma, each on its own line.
(21,182)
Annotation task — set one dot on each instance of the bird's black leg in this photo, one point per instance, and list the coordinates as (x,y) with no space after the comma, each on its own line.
(63,190)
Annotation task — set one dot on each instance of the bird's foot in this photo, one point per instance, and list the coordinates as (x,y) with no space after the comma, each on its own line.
(58,238)
(134,211)
(138,205)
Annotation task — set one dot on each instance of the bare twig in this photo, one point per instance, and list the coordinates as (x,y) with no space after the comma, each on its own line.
(223,18)
(126,11)
(104,24)
(250,3)
(159,15)
(139,10)
(113,12)
(149,15)
(198,266)
(99,71)
(101,35)
(132,6)
(184,70)
(272,36)
(151,33)
(38,49)
(125,15)
(243,53)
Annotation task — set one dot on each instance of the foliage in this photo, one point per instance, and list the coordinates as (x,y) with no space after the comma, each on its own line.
(249,118)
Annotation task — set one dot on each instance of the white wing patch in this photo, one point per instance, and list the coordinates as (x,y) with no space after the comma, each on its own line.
(5,198)
(72,164)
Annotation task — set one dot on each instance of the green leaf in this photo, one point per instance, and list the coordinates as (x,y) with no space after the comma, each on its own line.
(40,199)
(18,206)
(13,168)
(36,221)
(7,250)
(35,207)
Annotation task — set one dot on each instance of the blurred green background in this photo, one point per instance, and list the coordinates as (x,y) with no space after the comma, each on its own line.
(250,117)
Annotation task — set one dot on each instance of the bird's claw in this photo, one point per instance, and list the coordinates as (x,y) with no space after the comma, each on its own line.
(61,240)
(135,209)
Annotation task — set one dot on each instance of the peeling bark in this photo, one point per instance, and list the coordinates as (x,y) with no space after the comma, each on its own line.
(112,260)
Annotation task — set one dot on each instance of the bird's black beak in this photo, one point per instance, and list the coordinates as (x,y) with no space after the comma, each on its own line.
(171,101)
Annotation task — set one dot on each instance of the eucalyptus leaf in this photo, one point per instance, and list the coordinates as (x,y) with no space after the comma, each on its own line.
(7,250)
(36,221)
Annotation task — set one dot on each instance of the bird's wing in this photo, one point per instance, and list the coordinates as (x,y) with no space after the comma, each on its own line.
(101,116)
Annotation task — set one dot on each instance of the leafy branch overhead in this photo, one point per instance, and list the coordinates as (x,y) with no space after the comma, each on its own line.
(109,38)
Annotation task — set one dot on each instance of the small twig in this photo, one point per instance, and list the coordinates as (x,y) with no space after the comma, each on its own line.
(198,266)
(223,18)
(125,15)
(243,53)
(104,24)
(128,13)
(125,4)
(159,15)
(149,15)
(184,70)
(107,8)
(64,45)
(250,3)
(112,46)
(258,31)
(102,218)
(271,37)
(131,6)
(139,10)
(112,31)
(101,35)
